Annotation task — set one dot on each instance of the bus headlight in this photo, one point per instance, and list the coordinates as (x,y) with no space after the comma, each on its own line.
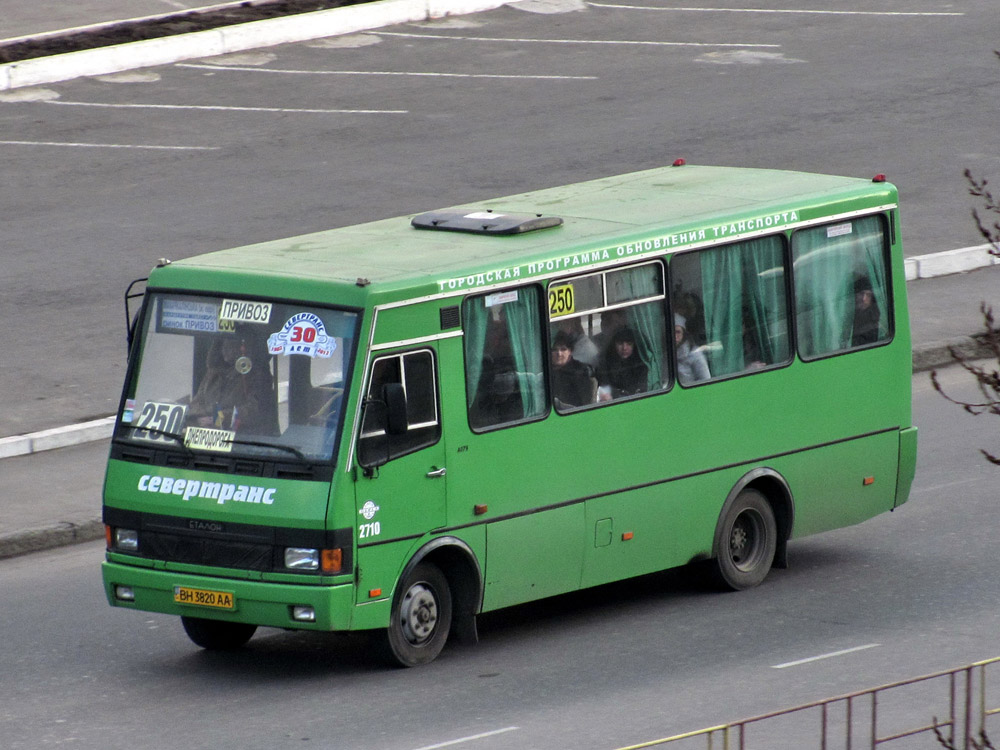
(126,540)
(301,558)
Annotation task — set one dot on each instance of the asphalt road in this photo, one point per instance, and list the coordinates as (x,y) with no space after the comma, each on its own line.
(109,174)
(908,593)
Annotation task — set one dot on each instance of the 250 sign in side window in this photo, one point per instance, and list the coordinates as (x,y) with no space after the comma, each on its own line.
(561,301)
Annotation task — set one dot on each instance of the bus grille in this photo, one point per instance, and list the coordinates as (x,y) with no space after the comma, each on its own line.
(201,551)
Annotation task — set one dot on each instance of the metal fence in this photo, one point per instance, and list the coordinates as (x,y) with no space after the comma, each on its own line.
(955,701)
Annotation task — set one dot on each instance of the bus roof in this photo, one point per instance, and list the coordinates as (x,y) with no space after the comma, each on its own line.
(642,214)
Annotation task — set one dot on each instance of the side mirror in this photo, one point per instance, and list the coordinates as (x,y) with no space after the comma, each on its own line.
(387,415)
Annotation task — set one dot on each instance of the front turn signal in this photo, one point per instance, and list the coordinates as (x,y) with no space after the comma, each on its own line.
(332,560)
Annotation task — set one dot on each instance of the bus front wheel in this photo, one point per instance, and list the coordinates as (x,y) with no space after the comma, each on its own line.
(421,617)
(216,635)
(746,541)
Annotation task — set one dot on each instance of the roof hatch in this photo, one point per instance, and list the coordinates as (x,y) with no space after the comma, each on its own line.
(485,221)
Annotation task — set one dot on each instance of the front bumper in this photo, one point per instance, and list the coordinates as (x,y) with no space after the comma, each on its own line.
(255,602)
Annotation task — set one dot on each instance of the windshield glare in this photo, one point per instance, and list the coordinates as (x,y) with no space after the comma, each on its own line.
(240,377)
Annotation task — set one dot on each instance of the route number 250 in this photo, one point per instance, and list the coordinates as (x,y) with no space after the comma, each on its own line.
(561,301)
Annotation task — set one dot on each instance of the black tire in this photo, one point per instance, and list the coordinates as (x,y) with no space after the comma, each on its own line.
(745,540)
(216,635)
(420,619)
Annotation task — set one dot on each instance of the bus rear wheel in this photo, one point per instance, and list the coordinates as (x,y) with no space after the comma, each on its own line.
(421,617)
(216,635)
(746,541)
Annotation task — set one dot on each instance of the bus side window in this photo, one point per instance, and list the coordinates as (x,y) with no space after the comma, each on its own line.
(416,372)
(504,366)
(608,336)
(841,286)
(732,305)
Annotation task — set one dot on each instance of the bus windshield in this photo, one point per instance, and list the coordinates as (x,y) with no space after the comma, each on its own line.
(245,378)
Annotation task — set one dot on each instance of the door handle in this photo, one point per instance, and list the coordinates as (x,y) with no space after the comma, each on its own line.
(433,473)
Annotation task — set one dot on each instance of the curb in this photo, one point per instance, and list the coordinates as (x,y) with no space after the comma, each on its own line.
(949,261)
(48,537)
(228,39)
(57,437)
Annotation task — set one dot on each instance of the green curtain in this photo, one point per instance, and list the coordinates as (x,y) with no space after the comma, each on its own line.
(824,295)
(646,321)
(743,285)
(525,334)
(827,261)
(764,274)
(526,343)
(476,317)
(871,239)
(722,295)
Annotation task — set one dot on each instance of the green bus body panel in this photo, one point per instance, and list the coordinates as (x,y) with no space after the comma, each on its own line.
(569,501)
(534,556)
(293,503)
(669,486)
(410,322)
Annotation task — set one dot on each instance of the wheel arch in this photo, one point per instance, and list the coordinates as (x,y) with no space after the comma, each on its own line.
(456,560)
(773,486)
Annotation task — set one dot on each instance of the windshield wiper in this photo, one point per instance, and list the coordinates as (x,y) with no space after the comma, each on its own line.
(263,444)
(164,433)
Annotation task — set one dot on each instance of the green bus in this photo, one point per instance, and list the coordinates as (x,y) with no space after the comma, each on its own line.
(399,425)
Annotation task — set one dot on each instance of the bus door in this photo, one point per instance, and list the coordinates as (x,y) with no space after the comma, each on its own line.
(401,485)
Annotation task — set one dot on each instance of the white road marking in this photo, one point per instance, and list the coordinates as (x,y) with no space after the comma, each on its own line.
(220,108)
(825,656)
(470,738)
(109,145)
(385,73)
(745,57)
(609,42)
(245,58)
(785,10)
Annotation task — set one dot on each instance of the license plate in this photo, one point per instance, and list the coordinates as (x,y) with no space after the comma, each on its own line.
(204,597)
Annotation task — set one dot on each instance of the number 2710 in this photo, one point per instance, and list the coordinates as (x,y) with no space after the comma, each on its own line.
(367,530)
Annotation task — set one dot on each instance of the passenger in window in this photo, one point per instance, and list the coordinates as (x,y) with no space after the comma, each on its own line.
(611,322)
(624,373)
(866,313)
(692,366)
(235,392)
(498,397)
(584,350)
(572,381)
(690,306)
